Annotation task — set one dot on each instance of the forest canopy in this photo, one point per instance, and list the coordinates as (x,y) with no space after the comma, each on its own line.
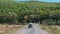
(12,12)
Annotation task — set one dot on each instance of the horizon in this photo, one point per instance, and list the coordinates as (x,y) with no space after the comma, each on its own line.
(41,0)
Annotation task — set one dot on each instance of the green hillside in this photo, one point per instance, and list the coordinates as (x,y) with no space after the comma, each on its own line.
(13,12)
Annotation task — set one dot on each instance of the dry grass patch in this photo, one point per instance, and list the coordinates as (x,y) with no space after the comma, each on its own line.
(51,29)
(9,28)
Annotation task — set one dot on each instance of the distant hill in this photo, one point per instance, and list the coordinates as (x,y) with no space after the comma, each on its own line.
(12,11)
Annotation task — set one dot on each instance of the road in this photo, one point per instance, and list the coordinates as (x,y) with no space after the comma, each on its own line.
(34,30)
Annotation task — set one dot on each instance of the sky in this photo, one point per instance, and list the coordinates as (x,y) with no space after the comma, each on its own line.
(43,0)
(51,0)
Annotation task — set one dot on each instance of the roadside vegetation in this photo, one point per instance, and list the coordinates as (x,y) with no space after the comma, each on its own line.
(51,29)
(10,29)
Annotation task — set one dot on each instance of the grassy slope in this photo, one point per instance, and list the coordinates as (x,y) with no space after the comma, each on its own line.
(10,29)
(51,29)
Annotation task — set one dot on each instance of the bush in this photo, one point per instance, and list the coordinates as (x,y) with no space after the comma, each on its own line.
(58,23)
(51,22)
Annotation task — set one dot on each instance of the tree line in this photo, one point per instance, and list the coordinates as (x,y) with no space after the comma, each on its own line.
(12,12)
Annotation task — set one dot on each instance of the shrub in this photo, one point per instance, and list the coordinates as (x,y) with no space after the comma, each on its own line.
(51,22)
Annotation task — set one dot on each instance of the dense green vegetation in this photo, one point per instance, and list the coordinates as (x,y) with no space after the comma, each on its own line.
(13,12)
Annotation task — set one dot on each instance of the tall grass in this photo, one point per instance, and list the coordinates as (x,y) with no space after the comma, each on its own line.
(9,29)
(51,29)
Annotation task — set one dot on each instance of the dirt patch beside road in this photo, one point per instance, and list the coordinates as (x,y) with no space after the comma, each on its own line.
(9,28)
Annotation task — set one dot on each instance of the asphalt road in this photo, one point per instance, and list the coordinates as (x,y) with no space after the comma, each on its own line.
(34,30)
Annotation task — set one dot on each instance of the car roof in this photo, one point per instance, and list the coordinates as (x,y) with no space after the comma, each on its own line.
(30,23)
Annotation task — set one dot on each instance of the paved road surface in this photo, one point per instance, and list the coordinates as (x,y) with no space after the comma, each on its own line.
(34,30)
